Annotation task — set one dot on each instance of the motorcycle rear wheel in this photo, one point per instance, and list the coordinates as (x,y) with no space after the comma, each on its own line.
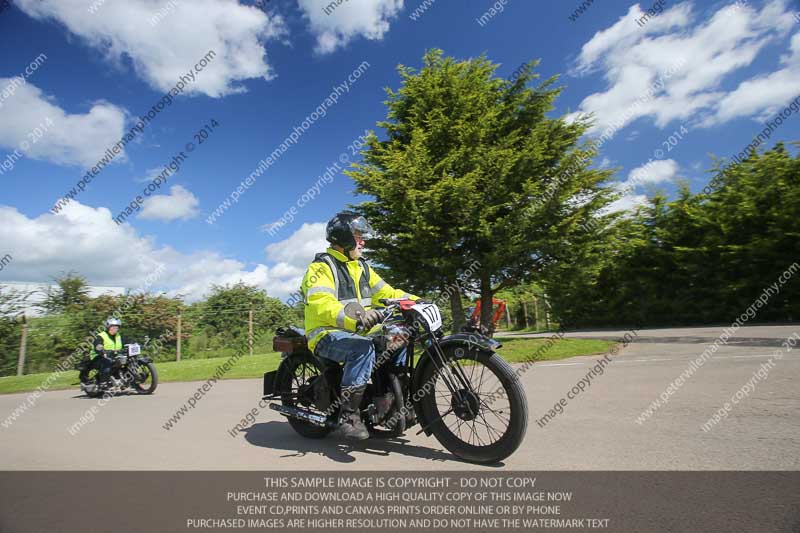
(475,435)
(88,377)
(297,370)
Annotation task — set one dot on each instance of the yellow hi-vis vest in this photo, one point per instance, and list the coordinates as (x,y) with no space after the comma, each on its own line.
(109,343)
(331,282)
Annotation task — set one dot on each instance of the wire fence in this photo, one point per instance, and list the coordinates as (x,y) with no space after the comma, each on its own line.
(201,331)
(38,344)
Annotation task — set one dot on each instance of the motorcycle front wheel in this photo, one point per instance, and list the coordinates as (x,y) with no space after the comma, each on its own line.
(146,379)
(483,422)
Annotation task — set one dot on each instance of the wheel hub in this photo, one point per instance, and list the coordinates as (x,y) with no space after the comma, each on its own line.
(465,404)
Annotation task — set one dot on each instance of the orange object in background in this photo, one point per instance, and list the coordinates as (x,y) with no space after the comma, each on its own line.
(499,308)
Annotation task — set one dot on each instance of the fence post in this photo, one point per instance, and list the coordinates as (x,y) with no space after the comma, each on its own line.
(546,313)
(250,330)
(525,312)
(23,344)
(178,350)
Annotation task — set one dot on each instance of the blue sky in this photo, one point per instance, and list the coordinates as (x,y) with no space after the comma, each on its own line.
(729,67)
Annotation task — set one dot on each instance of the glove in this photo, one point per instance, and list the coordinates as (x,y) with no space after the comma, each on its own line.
(370,318)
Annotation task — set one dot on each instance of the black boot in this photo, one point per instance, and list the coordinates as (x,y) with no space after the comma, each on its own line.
(351,425)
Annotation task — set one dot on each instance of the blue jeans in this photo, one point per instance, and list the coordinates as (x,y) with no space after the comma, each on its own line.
(103,365)
(356,352)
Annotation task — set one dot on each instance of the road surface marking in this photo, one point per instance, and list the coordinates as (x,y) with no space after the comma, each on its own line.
(661,359)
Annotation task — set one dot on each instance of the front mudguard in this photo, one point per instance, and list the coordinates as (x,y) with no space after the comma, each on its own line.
(473,340)
(145,360)
(466,341)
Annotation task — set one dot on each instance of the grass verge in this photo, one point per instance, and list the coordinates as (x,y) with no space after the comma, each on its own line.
(513,351)
(518,350)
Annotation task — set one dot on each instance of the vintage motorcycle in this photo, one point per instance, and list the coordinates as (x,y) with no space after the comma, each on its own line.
(129,369)
(459,389)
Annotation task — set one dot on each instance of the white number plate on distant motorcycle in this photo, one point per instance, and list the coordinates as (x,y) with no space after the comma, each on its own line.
(134,349)
(430,313)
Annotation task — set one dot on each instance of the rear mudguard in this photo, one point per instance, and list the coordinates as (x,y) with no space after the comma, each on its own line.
(271,379)
(468,342)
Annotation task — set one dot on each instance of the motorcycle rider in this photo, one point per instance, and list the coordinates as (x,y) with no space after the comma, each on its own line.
(336,278)
(108,340)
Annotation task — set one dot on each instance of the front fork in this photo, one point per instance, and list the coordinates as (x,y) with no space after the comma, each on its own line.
(453,376)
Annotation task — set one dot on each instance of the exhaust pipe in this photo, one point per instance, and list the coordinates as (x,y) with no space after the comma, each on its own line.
(302,414)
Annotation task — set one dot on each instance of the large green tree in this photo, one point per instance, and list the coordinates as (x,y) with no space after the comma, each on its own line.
(71,292)
(698,258)
(474,185)
(226,311)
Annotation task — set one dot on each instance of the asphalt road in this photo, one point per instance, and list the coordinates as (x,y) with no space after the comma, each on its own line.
(596,431)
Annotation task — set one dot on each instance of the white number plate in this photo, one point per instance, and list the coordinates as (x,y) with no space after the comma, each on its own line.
(430,313)
(133,349)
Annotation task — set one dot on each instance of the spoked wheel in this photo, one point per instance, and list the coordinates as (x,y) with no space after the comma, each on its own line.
(146,378)
(295,385)
(484,418)
(89,377)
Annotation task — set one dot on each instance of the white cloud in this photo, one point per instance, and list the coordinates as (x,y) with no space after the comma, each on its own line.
(652,172)
(75,239)
(626,33)
(308,240)
(335,27)
(632,136)
(38,291)
(150,175)
(78,238)
(628,202)
(164,51)
(66,139)
(763,95)
(180,203)
(638,62)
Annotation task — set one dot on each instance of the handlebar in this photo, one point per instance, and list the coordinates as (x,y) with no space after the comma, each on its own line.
(392,301)
(124,351)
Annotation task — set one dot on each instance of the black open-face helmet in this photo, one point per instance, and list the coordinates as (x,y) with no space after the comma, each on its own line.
(341,229)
